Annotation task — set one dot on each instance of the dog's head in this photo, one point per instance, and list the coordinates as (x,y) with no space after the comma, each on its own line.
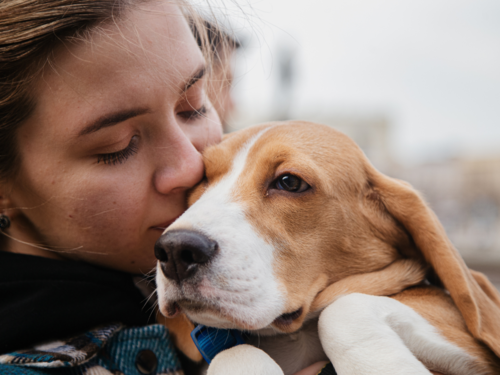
(287,209)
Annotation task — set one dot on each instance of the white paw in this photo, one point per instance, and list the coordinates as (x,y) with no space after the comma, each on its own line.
(363,334)
(243,360)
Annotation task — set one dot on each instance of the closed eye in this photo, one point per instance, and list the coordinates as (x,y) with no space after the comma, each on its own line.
(194,114)
(121,156)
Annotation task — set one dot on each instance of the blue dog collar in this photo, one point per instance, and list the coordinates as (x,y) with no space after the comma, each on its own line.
(211,341)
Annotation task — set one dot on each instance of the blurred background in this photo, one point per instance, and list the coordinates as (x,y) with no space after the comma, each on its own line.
(415,83)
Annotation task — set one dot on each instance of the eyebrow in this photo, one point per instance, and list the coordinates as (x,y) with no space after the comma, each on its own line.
(199,74)
(120,116)
(112,119)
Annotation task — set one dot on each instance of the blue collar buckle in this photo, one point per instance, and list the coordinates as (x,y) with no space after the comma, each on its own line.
(211,341)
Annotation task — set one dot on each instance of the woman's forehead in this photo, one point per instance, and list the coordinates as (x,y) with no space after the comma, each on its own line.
(150,48)
(158,41)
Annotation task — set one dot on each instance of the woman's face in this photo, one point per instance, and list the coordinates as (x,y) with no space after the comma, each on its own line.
(115,140)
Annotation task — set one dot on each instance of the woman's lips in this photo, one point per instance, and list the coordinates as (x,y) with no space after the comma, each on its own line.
(165,225)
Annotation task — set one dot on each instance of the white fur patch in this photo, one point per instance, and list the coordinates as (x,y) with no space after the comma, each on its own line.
(243,359)
(240,280)
(364,334)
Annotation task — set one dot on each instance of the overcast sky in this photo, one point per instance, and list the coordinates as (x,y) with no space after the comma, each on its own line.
(431,66)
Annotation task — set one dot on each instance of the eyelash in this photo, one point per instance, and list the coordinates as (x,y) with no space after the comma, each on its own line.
(194,114)
(120,156)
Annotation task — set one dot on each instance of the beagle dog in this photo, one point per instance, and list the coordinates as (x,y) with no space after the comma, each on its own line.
(294,237)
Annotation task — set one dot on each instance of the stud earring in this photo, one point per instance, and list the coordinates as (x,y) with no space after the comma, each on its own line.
(4,221)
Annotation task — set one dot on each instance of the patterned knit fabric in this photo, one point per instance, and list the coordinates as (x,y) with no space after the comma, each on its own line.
(104,351)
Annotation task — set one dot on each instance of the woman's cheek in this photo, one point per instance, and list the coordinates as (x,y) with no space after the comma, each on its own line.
(103,209)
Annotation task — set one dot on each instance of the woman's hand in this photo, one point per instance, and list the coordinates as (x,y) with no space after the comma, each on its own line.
(315,368)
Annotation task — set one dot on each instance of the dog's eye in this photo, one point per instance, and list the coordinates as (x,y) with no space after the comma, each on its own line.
(291,183)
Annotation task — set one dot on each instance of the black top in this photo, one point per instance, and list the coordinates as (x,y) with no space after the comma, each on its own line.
(44,299)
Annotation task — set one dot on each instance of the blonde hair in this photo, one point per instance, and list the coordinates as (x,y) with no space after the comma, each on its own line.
(30,30)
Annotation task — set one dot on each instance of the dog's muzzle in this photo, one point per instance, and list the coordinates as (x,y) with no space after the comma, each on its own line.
(181,252)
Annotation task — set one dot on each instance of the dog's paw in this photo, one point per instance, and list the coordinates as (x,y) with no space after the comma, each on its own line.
(243,360)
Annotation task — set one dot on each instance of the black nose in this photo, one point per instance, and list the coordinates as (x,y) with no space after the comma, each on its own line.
(181,251)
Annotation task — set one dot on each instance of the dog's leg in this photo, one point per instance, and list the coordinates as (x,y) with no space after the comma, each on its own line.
(393,279)
(243,360)
(364,334)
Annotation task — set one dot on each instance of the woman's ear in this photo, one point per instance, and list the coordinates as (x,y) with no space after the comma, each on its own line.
(8,205)
(476,298)
(4,200)
(5,203)
(5,222)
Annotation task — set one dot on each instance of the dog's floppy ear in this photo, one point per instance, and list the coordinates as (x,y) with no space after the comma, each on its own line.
(476,298)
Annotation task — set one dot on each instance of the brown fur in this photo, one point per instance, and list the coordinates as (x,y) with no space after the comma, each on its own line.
(438,308)
(180,328)
(391,280)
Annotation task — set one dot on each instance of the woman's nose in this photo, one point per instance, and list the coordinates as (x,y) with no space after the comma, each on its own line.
(180,166)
